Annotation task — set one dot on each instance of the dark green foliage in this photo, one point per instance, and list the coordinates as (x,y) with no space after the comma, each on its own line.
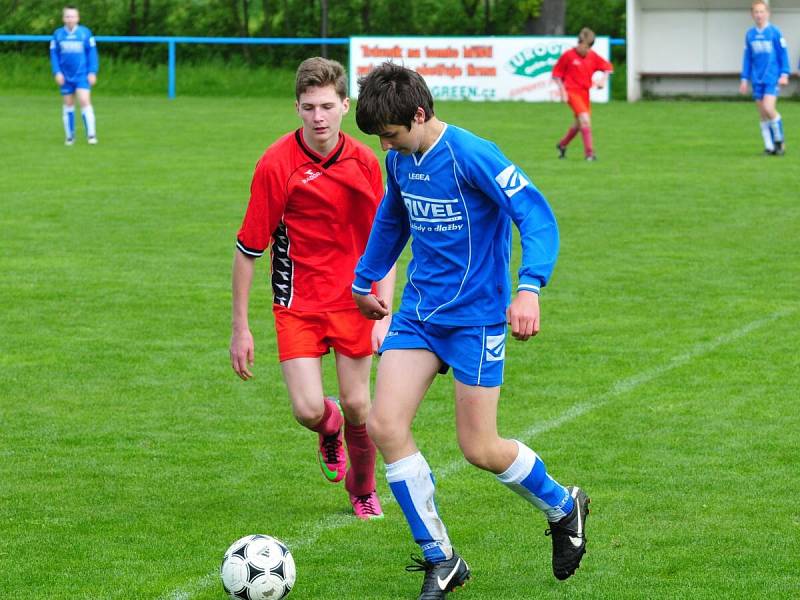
(267,18)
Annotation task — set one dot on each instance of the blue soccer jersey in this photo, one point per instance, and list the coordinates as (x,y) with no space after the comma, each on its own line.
(766,58)
(456,202)
(73,53)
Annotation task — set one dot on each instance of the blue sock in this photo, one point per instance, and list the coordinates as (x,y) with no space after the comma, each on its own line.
(412,484)
(527,476)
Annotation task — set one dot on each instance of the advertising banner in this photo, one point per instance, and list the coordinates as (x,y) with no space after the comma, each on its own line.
(474,68)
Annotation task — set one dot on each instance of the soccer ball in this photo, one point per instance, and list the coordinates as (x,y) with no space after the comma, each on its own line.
(257,567)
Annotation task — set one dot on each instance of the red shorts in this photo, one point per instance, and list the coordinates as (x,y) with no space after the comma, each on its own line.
(313,334)
(579,101)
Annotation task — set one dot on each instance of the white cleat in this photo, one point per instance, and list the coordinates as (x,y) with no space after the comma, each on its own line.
(93,140)
(69,141)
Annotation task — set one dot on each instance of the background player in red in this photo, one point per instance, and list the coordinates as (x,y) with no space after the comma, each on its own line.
(573,74)
(314,195)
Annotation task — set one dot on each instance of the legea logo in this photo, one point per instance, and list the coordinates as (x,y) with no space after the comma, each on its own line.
(532,62)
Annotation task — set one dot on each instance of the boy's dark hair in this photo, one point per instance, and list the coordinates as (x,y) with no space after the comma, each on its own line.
(320,72)
(390,95)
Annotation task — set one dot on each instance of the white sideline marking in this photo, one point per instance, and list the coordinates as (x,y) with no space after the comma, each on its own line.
(311,533)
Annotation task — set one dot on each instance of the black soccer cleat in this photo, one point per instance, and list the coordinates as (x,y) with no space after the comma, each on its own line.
(569,538)
(768,152)
(562,151)
(440,578)
(779,151)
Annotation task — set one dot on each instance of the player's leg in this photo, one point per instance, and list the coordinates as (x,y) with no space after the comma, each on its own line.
(87,112)
(68,117)
(303,378)
(570,135)
(521,470)
(763,116)
(353,375)
(773,119)
(585,123)
(404,376)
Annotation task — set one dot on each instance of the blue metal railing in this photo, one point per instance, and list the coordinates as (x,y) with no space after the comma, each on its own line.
(173,41)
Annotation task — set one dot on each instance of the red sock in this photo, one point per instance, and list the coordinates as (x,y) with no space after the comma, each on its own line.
(331,419)
(573,131)
(360,479)
(586,133)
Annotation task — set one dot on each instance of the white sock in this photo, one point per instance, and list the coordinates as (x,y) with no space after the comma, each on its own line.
(412,484)
(528,477)
(766,133)
(88,120)
(68,117)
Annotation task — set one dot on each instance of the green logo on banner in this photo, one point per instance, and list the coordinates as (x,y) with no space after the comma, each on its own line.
(532,62)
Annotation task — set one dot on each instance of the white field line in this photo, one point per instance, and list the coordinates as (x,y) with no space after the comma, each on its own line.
(312,531)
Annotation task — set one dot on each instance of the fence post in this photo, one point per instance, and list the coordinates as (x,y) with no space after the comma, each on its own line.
(171,69)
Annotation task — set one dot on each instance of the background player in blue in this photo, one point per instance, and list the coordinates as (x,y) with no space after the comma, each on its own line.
(455,196)
(766,67)
(73,57)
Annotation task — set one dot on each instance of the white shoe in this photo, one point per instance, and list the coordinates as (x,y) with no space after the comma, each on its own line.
(93,140)
(69,141)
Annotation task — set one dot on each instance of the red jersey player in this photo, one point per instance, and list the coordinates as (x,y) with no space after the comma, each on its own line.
(573,74)
(314,195)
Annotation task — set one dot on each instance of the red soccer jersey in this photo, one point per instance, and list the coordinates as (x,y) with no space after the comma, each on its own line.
(318,212)
(576,71)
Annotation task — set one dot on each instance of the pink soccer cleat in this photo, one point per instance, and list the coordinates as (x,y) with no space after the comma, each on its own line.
(332,457)
(367,506)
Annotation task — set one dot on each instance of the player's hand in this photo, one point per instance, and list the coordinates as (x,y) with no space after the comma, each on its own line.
(92,78)
(523,315)
(743,87)
(379,331)
(371,306)
(60,78)
(784,80)
(242,353)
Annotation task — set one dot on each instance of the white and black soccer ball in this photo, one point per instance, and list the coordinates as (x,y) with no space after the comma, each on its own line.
(258,567)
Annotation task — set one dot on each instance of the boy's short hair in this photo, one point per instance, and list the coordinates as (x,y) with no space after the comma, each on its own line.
(757,2)
(390,95)
(586,36)
(320,72)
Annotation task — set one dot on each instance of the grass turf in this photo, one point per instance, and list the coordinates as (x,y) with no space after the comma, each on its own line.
(664,380)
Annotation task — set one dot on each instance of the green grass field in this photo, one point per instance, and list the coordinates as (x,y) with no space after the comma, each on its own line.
(665,380)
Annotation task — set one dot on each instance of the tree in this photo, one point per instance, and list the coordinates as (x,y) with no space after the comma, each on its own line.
(550,19)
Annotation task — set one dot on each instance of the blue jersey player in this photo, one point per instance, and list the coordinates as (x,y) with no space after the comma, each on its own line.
(766,67)
(73,58)
(455,196)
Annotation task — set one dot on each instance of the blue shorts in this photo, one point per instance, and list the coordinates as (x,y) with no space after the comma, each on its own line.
(475,352)
(765,89)
(70,85)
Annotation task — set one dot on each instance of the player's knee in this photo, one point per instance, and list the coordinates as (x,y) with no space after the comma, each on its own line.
(307,414)
(381,431)
(355,405)
(479,455)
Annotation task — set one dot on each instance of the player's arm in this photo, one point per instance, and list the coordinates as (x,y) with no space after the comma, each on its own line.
(558,78)
(390,232)
(605,69)
(55,61)
(746,65)
(384,291)
(242,350)
(264,209)
(782,54)
(92,58)
(510,188)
